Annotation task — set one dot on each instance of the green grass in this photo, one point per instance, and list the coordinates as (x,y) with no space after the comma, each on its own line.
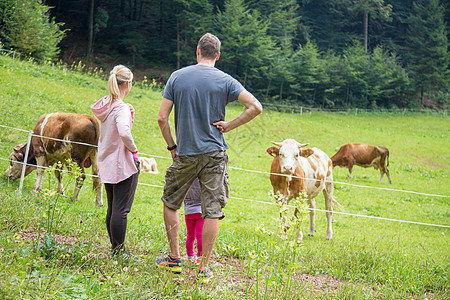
(367,259)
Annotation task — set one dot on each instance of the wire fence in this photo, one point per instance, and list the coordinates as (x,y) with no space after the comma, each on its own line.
(299,109)
(239,169)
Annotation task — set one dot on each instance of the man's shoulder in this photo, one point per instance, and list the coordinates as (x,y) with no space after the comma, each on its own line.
(184,69)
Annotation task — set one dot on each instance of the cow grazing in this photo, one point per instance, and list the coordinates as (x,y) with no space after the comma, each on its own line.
(363,155)
(148,165)
(46,151)
(304,171)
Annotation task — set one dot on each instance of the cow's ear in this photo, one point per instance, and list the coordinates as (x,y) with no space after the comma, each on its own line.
(18,147)
(273,151)
(306,152)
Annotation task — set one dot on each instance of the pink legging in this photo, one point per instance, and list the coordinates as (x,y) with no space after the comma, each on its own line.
(194,226)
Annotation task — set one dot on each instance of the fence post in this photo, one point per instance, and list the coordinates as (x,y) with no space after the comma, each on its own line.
(301,110)
(356,111)
(24,166)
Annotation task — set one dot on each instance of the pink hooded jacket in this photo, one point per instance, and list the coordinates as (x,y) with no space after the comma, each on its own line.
(116,144)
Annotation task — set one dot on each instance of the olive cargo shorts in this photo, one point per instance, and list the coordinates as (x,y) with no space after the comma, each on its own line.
(211,170)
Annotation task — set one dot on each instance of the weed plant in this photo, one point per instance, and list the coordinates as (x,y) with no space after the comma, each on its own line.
(367,258)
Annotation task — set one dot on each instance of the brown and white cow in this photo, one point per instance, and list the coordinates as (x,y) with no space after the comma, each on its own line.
(303,171)
(46,151)
(363,155)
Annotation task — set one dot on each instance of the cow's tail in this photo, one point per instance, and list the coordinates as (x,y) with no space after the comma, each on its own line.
(334,202)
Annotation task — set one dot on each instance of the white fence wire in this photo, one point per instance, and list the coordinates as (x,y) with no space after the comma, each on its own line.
(240,169)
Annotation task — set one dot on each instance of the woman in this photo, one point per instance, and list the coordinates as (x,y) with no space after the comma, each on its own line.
(117,159)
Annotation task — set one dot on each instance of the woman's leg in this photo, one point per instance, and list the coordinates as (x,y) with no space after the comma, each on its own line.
(121,205)
(110,196)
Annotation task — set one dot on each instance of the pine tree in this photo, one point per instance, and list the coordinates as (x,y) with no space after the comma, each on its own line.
(28,30)
(427,47)
(194,18)
(247,50)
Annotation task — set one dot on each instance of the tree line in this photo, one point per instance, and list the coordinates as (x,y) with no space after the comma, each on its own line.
(319,53)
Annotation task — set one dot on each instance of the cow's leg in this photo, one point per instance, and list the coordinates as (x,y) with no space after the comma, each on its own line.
(41,163)
(97,185)
(350,170)
(382,174)
(384,169)
(312,217)
(328,195)
(388,176)
(58,175)
(79,183)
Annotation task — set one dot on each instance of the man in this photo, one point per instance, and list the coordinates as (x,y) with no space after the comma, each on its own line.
(199,94)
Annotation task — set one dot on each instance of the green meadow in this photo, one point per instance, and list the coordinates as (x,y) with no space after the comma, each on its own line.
(52,247)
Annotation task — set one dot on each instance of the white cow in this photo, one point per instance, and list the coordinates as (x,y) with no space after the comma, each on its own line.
(148,165)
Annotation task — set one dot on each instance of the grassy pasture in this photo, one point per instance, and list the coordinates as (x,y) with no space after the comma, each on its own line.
(367,259)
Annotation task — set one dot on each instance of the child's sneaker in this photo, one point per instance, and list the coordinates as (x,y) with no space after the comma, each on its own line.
(172,265)
(205,275)
(191,259)
(198,260)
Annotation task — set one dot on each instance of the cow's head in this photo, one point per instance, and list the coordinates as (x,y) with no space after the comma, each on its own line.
(288,153)
(16,162)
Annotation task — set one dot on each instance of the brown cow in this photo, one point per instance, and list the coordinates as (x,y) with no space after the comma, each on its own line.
(45,152)
(304,171)
(363,155)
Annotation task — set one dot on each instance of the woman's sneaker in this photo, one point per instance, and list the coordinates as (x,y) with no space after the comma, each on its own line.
(172,265)
(205,275)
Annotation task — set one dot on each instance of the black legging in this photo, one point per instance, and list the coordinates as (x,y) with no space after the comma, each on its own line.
(120,198)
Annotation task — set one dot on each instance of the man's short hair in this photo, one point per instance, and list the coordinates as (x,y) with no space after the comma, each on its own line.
(209,46)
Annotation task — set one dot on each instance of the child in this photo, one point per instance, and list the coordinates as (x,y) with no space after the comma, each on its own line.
(194,221)
(117,155)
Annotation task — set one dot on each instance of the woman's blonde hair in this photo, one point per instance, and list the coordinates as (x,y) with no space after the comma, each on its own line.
(118,76)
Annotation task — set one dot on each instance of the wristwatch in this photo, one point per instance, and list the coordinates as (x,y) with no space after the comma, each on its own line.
(172,148)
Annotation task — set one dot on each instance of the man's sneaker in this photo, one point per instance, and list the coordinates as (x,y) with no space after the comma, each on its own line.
(205,275)
(172,265)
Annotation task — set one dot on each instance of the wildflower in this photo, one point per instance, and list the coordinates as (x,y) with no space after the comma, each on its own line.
(117,283)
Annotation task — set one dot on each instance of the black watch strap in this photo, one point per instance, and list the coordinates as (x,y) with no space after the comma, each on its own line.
(172,148)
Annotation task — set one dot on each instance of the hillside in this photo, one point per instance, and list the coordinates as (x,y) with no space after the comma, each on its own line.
(368,258)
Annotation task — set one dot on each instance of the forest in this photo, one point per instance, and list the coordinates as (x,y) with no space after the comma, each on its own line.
(331,54)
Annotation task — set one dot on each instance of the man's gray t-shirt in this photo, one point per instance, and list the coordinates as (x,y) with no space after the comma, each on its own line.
(200,94)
